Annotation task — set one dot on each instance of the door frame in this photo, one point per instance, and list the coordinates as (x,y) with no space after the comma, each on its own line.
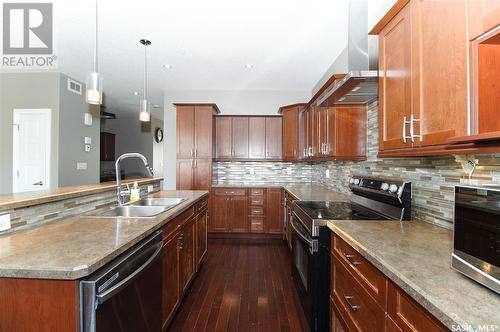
(15,142)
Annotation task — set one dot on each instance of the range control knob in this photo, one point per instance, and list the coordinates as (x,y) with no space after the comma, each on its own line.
(356,181)
(351,180)
(384,186)
(393,188)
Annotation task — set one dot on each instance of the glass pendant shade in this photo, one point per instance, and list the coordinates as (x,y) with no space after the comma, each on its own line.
(94,88)
(144,115)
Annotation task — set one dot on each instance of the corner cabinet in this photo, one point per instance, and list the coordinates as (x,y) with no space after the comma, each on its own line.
(423,77)
(290,134)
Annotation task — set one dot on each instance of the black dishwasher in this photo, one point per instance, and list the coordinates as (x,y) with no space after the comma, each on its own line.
(126,294)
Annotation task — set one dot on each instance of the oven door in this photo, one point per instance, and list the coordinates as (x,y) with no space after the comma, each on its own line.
(303,264)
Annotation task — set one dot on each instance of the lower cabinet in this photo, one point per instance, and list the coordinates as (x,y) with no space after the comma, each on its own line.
(363,299)
(184,247)
(242,210)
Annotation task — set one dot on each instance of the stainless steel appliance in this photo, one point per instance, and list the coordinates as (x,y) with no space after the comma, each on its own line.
(476,235)
(371,199)
(126,294)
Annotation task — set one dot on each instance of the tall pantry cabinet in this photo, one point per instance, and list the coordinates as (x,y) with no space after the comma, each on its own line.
(194,145)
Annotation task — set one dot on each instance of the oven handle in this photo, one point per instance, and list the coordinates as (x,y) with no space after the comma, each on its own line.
(301,235)
(101,298)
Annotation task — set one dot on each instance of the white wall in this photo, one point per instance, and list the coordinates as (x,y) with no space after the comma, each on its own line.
(229,102)
(377,9)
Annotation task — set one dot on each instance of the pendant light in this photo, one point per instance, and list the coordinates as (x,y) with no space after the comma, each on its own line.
(94,80)
(145,115)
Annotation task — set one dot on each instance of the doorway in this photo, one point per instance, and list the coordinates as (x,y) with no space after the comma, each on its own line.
(31,150)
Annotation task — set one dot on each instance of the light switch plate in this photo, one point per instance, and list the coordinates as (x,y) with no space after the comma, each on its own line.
(4,222)
(81,165)
(87,140)
(87,119)
(327,173)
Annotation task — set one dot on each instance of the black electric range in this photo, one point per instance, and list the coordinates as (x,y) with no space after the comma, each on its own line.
(371,199)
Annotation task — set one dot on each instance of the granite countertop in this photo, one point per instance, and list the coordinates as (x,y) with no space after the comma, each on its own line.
(416,256)
(13,201)
(302,191)
(77,246)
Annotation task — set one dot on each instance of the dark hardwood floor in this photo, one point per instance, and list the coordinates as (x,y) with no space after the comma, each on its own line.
(243,285)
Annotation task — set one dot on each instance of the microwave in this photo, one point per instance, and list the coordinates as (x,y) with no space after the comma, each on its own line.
(476,235)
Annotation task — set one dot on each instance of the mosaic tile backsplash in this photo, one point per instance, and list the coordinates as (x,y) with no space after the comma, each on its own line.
(433,178)
(25,217)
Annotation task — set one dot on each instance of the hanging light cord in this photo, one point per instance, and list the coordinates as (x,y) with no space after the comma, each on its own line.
(145,70)
(95,40)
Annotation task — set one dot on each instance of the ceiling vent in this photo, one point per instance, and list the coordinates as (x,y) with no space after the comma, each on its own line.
(74,86)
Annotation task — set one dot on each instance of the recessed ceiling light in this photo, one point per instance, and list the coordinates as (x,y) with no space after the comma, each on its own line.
(136,93)
(168,66)
(248,66)
(156,106)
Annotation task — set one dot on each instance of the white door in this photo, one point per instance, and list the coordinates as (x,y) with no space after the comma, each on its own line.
(31,150)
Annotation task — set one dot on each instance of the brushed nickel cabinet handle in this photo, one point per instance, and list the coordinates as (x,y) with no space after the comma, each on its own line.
(350,259)
(348,299)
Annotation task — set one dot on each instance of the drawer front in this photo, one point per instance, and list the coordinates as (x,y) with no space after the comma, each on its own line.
(257,200)
(257,192)
(256,211)
(407,314)
(202,204)
(371,279)
(230,191)
(359,311)
(256,225)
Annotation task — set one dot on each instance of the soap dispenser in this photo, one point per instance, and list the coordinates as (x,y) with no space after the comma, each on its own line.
(135,193)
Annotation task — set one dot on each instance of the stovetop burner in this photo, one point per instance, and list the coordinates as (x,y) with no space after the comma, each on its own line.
(337,211)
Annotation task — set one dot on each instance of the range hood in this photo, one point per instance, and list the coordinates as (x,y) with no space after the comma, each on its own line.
(106,115)
(360,84)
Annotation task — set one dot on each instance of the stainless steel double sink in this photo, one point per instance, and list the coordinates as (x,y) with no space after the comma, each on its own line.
(145,208)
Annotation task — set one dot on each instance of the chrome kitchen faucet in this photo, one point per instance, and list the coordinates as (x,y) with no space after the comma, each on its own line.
(122,193)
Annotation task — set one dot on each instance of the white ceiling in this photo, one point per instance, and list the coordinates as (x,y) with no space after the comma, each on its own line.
(290,43)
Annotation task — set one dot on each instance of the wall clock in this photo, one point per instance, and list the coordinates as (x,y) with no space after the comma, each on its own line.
(158,135)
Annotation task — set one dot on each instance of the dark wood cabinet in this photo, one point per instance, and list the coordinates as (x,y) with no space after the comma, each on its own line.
(201,235)
(171,281)
(303,127)
(107,146)
(257,138)
(219,217)
(291,134)
(194,145)
(273,137)
(237,216)
(274,213)
(229,210)
(187,253)
(239,138)
(223,134)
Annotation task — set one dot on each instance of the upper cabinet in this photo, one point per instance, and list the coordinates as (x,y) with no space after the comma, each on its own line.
(423,77)
(484,15)
(248,137)
(291,135)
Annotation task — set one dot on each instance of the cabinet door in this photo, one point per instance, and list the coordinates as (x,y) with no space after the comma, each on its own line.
(202,174)
(257,137)
(303,134)
(187,254)
(203,132)
(240,137)
(238,214)
(350,131)
(395,81)
(219,214)
(171,294)
(322,131)
(439,70)
(223,137)
(201,236)
(273,137)
(331,139)
(185,174)
(185,132)
(483,16)
(273,222)
(107,146)
(290,133)
(312,131)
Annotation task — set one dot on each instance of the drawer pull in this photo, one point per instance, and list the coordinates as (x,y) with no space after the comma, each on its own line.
(349,303)
(351,260)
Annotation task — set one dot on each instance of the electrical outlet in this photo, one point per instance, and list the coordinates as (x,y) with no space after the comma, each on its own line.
(81,165)
(327,173)
(150,188)
(251,171)
(4,222)
(87,148)
(289,171)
